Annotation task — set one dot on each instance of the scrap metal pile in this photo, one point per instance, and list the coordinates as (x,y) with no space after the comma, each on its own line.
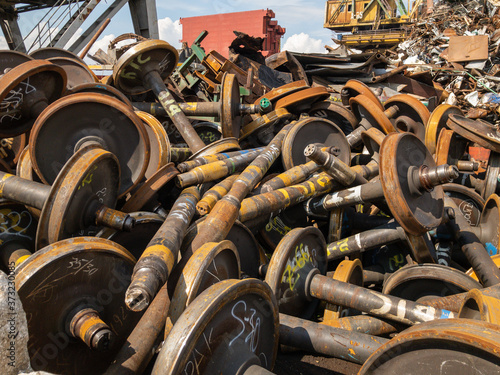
(191,219)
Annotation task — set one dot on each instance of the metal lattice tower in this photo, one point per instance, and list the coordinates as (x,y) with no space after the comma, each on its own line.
(63,18)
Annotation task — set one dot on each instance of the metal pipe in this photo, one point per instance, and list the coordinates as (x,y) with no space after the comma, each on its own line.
(16,189)
(366,324)
(332,165)
(371,302)
(222,217)
(274,201)
(137,351)
(94,38)
(365,241)
(290,177)
(156,263)
(486,270)
(351,346)
(155,83)
(212,196)
(202,160)
(216,170)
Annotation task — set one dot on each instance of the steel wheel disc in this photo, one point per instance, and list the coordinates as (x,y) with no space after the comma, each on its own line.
(145,227)
(468,201)
(490,221)
(36,82)
(100,88)
(230,119)
(418,282)
(372,139)
(11,59)
(24,170)
(416,214)
(16,225)
(280,92)
(354,88)
(84,115)
(141,58)
(74,273)
(336,113)
(364,108)
(421,247)
(249,251)
(436,122)
(267,120)
(480,306)
(313,130)
(158,141)
(456,346)
(479,131)
(409,106)
(450,148)
(222,145)
(407,124)
(149,189)
(77,73)
(50,52)
(90,178)
(11,148)
(239,321)
(303,99)
(301,250)
(348,271)
(491,183)
(210,264)
(209,132)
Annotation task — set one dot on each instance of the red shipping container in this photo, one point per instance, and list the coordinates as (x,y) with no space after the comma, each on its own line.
(220,27)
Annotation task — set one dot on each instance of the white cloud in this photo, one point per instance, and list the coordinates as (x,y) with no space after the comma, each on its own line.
(170,31)
(303,43)
(3,43)
(102,43)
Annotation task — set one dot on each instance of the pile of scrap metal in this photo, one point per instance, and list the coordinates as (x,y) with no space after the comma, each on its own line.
(455,50)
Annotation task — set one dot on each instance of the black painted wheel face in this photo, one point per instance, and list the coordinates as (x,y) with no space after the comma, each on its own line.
(438,357)
(100,88)
(228,325)
(209,132)
(421,289)
(470,204)
(336,113)
(88,180)
(490,222)
(50,52)
(16,115)
(61,280)
(11,59)
(77,73)
(294,258)
(248,249)
(314,131)
(72,123)
(238,330)
(17,225)
(135,241)
(131,71)
(414,213)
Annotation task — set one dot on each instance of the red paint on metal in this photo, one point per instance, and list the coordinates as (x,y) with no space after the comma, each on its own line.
(220,27)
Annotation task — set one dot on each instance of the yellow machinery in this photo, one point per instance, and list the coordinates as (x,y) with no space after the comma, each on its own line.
(372,22)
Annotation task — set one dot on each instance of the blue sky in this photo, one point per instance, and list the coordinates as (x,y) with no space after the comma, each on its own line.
(303,20)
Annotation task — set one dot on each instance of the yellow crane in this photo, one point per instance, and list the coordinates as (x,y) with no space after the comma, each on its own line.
(371,22)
